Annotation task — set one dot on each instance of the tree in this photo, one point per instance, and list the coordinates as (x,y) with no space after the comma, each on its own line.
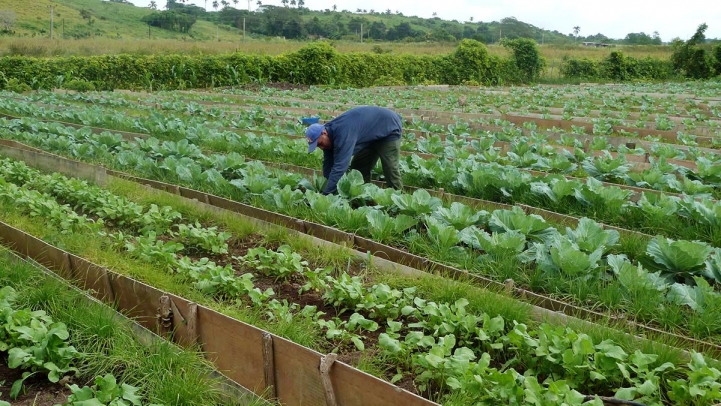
(170,20)
(471,19)
(225,3)
(576,30)
(215,5)
(292,3)
(301,3)
(640,38)
(153,5)
(284,3)
(354,25)
(401,31)
(7,19)
(526,57)
(690,59)
(435,14)
(335,7)
(377,30)
(259,3)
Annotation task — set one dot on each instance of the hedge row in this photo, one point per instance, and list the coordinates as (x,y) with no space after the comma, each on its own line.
(315,64)
(619,67)
(695,64)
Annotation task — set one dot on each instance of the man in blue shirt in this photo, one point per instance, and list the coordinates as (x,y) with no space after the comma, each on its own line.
(365,134)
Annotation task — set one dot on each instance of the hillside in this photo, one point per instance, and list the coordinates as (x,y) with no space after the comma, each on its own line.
(96,18)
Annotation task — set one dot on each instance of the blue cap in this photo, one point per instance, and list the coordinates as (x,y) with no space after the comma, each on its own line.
(312,133)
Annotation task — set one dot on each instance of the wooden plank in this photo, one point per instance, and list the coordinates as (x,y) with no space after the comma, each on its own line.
(92,278)
(236,348)
(54,163)
(390,253)
(50,257)
(297,375)
(356,388)
(14,239)
(329,233)
(193,194)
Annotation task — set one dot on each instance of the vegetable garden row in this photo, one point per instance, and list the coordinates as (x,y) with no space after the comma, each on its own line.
(661,269)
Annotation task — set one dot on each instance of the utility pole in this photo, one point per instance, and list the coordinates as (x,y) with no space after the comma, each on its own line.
(543,36)
(216,33)
(148,31)
(52,14)
(361,33)
(248,5)
(63,35)
(244,27)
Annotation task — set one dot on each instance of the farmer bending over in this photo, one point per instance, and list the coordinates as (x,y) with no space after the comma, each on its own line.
(363,133)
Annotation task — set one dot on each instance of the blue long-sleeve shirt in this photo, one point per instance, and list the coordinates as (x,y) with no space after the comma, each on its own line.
(352,131)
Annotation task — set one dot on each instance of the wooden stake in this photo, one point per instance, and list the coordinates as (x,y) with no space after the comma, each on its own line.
(269,364)
(165,315)
(326,362)
(193,322)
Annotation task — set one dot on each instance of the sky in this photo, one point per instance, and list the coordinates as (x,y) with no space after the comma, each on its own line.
(612,18)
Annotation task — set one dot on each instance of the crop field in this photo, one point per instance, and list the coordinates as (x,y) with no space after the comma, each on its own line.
(554,245)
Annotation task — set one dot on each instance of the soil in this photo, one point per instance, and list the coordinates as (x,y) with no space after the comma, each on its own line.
(37,391)
(287,289)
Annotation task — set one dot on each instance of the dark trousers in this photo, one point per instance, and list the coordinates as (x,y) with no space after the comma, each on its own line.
(389,152)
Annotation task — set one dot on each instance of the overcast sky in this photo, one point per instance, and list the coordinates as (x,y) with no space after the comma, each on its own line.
(613,18)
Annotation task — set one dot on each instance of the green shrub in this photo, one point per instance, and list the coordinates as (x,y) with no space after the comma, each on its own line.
(583,68)
(80,85)
(314,64)
(526,58)
(716,54)
(470,61)
(388,81)
(16,86)
(689,59)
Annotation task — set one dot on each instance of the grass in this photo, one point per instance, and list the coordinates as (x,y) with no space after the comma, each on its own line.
(108,21)
(164,372)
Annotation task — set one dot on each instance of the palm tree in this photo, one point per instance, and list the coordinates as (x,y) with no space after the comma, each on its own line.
(153,5)
(259,3)
(236,2)
(224,3)
(335,8)
(471,19)
(215,5)
(301,3)
(284,3)
(435,14)
(576,30)
(292,2)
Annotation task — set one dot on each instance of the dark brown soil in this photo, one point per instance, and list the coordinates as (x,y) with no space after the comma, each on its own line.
(37,391)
